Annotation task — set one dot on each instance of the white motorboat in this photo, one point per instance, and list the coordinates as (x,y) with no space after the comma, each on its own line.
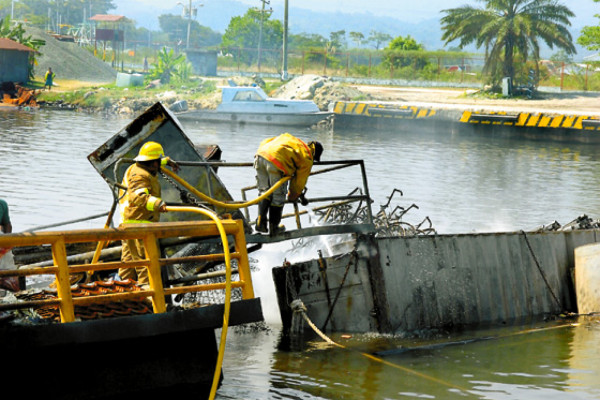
(251,105)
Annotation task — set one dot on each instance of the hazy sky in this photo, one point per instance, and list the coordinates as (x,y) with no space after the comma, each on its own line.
(423,9)
(401,9)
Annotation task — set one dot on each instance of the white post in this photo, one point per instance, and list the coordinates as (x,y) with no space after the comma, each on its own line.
(284,72)
(187,43)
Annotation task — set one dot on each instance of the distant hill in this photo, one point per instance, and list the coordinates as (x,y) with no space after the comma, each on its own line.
(217,15)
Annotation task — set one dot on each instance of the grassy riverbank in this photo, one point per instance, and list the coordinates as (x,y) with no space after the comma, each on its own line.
(204,93)
(199,93)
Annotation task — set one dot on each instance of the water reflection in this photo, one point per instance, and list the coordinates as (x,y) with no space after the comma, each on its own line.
(584,358)
(540,361)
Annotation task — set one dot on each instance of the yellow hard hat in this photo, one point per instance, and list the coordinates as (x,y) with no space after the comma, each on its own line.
(150,151)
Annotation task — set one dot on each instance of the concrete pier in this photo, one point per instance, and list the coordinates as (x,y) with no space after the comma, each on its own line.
(583,127)
(587,278)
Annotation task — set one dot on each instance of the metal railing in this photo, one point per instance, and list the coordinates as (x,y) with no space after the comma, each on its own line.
(150,234)
(360,196)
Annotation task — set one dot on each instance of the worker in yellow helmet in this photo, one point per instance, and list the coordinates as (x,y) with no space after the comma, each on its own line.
(284,155)
(142,203)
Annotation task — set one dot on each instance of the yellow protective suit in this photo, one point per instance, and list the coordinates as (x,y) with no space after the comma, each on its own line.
(291,156)
(139,205)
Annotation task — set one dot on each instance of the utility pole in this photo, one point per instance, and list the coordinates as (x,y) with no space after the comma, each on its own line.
(187,10)
(187,42)
(284,72)
(12,10)
(260,31)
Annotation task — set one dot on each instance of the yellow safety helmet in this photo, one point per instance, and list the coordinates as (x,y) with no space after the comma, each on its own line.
(150,151)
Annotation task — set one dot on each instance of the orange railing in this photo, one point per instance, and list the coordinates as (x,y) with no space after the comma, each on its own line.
(150,234)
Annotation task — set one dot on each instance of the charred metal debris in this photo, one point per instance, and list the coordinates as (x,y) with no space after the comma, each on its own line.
(389,221)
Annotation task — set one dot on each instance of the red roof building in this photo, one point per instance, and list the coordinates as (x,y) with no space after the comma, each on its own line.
(107,18)
(8,44)
(14,61)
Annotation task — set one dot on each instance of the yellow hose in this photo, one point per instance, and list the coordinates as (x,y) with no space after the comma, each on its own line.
(220,203)
(227,254)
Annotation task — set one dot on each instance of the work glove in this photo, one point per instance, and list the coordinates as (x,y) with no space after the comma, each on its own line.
(303,199)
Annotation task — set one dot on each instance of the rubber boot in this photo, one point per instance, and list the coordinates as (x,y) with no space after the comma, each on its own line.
(262,222)
(275,214)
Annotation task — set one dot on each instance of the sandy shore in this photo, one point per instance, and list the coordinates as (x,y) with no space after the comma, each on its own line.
(580,102)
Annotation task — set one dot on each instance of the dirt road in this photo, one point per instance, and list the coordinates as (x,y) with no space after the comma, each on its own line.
(580,102)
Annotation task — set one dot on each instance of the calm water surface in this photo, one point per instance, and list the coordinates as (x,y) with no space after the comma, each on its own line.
(463,183)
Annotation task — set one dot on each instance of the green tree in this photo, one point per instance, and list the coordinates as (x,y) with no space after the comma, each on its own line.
(243,32)
(590,36)
(176,27)
(17,33)
(337,39)
(306,41)
(378,39)
(402,52)
(510,31)
(357,37)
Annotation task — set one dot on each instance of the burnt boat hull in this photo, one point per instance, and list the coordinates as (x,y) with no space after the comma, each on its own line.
(391,285)
(174,352)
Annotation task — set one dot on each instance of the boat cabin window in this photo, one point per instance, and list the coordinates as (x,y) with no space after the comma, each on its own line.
(247,95)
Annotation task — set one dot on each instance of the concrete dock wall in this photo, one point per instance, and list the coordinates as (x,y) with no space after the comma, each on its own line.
(545,125)
(445,281)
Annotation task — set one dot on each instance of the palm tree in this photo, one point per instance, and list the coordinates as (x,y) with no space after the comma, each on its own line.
(510,30)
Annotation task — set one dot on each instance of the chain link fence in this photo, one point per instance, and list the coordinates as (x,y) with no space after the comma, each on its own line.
(414,68)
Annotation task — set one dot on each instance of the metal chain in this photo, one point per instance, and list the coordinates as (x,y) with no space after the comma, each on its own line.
(185,195)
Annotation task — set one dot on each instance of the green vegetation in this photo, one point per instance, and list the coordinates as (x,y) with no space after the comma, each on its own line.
(244,33)
(590,36)
(175,27)
(17,33)
(105,96)
(36,11)
(168,65)
(510,31)
(397,56)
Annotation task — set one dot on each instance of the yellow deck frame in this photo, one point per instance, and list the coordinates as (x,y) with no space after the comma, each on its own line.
(149,233)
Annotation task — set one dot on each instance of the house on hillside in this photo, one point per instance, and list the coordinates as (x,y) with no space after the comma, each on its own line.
(14,61)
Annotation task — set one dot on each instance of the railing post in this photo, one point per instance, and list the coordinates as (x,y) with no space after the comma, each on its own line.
(366,189)
(63,281)
(158,298)
(243,264)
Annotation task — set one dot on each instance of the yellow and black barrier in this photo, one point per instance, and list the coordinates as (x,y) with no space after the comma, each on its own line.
(539,120)
(357,113)
(382,110)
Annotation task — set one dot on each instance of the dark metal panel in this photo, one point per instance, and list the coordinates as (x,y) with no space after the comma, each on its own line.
(158,124)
